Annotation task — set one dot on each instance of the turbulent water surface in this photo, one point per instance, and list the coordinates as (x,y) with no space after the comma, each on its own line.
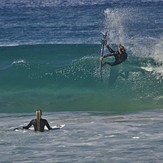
(86,137)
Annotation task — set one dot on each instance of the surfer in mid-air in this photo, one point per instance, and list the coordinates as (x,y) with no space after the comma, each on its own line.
(120,55)
(38,123)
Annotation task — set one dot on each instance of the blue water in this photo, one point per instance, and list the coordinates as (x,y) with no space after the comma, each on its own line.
(49,59)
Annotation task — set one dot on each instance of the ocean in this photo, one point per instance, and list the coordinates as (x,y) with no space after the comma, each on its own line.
(49,59)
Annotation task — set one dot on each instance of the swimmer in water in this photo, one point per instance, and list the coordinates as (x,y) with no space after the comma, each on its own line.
(38,123)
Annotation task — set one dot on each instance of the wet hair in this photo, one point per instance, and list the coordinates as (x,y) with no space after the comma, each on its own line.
(121,48)
(38,118)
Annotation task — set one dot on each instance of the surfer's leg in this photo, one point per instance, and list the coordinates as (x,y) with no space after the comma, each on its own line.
(115,63)
(110,49)
(109,55)
(106,63)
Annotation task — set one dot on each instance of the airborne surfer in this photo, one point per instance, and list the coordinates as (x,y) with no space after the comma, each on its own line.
(120,55)
(38,123)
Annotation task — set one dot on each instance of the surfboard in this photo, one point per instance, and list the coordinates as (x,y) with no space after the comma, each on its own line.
(102,54)
(56,127)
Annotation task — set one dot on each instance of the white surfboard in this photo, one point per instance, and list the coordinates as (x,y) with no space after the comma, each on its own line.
(58,127)
(46,129)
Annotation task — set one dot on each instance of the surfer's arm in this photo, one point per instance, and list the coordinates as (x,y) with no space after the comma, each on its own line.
(47,125)
(108,55)
(29,125)
(110,49)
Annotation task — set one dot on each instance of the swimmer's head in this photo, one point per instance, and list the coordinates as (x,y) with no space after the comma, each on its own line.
(121,48)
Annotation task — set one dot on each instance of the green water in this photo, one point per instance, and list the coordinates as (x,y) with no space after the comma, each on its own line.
(67,78)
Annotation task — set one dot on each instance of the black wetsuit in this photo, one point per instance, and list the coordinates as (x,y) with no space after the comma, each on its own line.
(119,58)
(43,123)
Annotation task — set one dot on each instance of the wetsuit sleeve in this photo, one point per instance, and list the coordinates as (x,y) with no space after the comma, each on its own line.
(110,49)
(112,54)
(47,125)
(29,125)
(108,55)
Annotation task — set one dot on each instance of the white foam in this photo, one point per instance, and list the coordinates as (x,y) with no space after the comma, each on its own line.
(19,61)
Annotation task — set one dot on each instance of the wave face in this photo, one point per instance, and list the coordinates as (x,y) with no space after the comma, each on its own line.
(49,55)
(67,77)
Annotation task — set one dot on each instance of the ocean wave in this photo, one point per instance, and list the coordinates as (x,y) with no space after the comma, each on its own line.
(69,70)
(19,62)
